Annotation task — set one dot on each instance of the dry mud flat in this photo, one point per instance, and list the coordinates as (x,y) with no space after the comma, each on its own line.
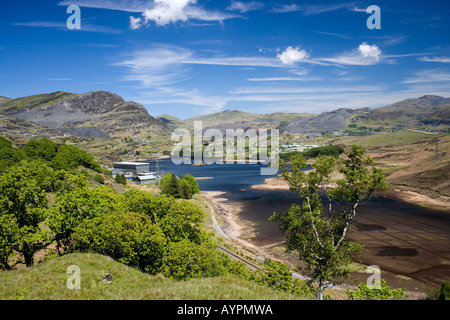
(406,234)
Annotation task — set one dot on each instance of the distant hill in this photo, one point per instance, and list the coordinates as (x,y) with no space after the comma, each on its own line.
(4,99)
(234,119)
(96,114)
(423,112)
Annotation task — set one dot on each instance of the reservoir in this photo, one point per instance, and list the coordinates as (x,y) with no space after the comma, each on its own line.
(410,243)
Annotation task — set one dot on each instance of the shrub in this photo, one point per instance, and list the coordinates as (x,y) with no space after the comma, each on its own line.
(384,292)
(99,178)
(444,293)
(130,238)
(186,260)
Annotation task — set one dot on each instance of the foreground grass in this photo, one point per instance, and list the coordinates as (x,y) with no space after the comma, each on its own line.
(47,281)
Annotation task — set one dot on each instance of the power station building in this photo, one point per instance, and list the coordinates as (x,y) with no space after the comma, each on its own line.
(132,169)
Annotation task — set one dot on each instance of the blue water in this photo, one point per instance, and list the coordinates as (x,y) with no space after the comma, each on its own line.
(225,177)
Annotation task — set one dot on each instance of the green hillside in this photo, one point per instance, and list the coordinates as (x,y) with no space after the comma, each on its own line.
(31,102)
(48,281)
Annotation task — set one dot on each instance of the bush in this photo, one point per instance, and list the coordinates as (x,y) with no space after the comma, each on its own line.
(382,293)
(99,178)
(186,260)
(444,293)
(130,238)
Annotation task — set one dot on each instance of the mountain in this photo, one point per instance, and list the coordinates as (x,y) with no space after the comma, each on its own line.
(234,119)
(96,114)
(420,112)
(325,121)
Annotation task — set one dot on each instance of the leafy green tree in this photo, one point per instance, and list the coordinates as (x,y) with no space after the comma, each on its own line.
(156,207)
(23,198)
(317,230)
(128,237)
(170,185)
(9,155)
(74,206)
(120,178)
(9,239)
(183,221)
(41,149)
(186,260)
(99,178)
(70,157)
(192,183)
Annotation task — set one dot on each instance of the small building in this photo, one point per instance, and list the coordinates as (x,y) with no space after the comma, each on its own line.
(131,169)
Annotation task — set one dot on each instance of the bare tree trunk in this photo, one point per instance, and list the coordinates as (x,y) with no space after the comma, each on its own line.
(320,290)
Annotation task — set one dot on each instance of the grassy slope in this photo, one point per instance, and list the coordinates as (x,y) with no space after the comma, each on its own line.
(39,100)
(48,281)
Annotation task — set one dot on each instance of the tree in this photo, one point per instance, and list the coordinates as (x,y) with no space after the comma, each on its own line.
(170,185)
(73,206)
(120,178)
(317,228)
(192,183)
(128,237)
(23,201)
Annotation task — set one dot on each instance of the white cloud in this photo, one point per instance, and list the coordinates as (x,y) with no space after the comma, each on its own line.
(436,59)
(135,23)
(244,7)
(292,55)
(167,11)
(434,75)
(364,55)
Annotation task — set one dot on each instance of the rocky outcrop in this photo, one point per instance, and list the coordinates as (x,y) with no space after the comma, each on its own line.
(96,114)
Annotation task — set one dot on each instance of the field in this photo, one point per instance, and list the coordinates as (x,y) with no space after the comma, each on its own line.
(48,281)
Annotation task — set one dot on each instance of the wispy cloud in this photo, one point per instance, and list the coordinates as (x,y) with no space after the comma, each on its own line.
(161,12)
(433,75)
(364,55)
(435,59)
(244,7)
(59,79)
(285,79)
(310,9)
(63,26)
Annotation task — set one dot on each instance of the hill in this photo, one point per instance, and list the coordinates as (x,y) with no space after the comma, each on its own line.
(418,113)
(47,281)
(96,114)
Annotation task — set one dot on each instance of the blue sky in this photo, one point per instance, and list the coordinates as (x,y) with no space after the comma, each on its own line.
(192,57)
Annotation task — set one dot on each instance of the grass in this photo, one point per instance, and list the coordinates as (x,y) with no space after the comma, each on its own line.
(48,281)
(395,138)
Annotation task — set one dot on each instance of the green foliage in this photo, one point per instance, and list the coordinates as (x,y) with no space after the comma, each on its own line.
(184,188)
(41,149)
(186,260)
(384,292)
(23,201)
(70,157)
(120,178)
(170,185)
(191,183)
(99,178)
(129,237)
(317,231)
(9,155)
(73,206)
(444,293)
(330,150)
